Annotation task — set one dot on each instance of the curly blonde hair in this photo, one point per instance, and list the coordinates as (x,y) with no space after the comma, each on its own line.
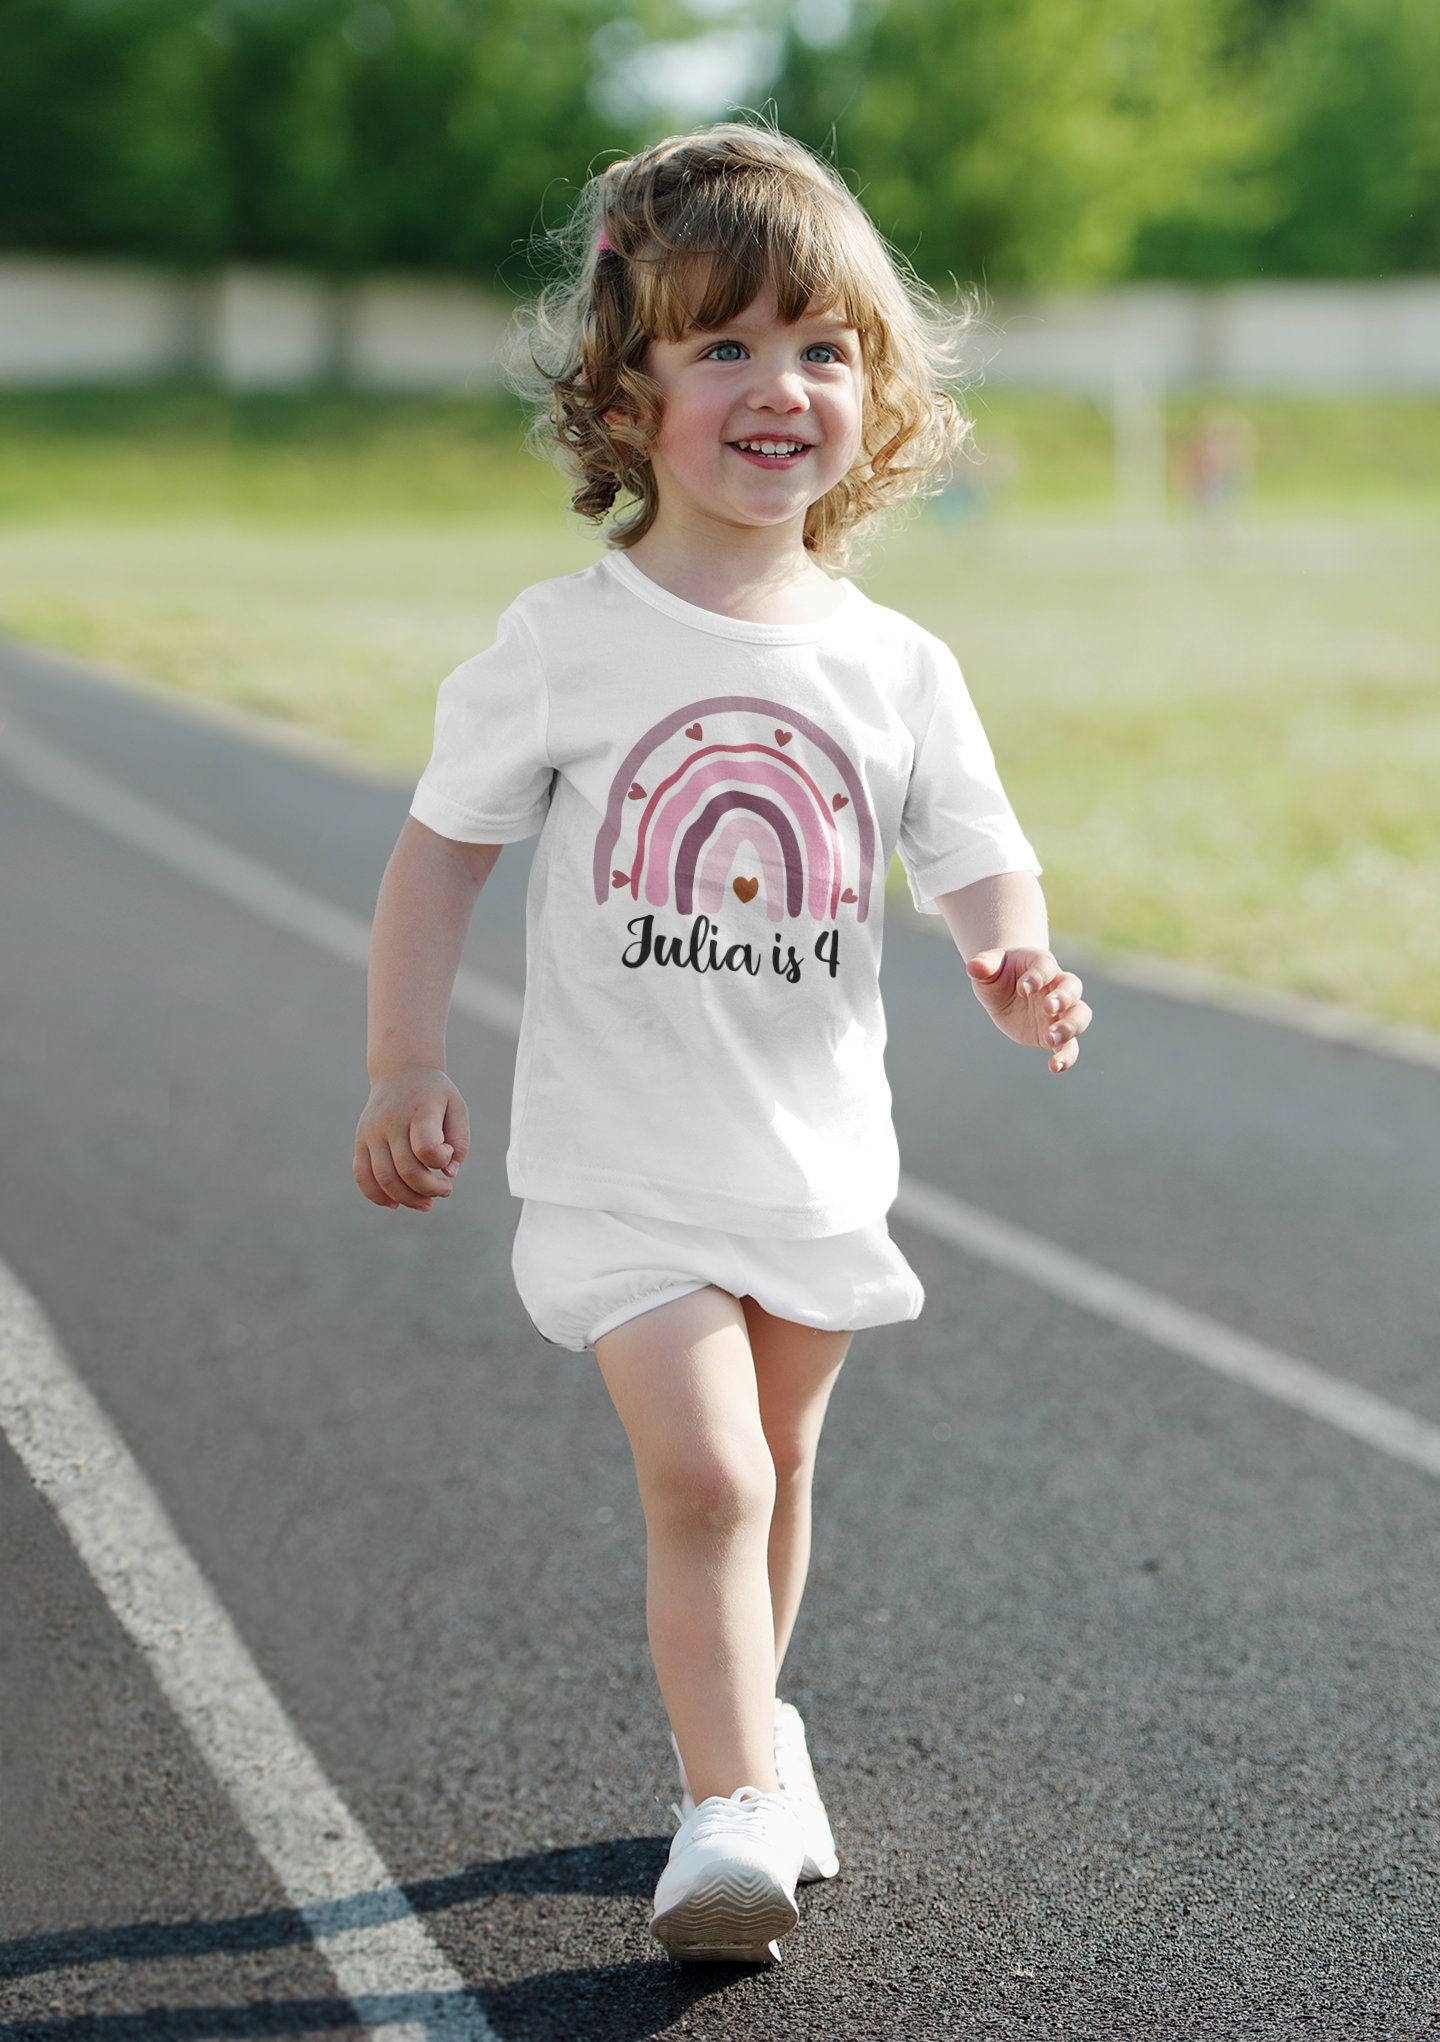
(696,226)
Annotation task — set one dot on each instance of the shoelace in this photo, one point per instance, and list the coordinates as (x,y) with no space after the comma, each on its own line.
(732,1812)
(794,1773)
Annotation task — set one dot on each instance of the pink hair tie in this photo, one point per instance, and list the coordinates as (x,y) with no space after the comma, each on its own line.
(602,246)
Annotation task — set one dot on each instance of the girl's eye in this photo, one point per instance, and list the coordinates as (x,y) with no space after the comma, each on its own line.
(824,346)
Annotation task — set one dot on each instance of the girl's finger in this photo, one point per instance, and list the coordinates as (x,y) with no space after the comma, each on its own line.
(457,1130)
(1064,993)
(365,1178)
(1038,974)
(429,1180)
(1073,1021)
(393,1184)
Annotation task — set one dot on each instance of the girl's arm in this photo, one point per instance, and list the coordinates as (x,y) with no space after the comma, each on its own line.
(427,897)
(1001,930)
(415,1130)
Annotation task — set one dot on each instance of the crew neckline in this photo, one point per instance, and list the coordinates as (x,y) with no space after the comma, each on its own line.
(721,626)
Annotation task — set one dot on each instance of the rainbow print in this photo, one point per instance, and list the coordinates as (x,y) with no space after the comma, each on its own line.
(736,799)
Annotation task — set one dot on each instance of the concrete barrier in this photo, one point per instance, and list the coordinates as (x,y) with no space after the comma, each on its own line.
(248,327)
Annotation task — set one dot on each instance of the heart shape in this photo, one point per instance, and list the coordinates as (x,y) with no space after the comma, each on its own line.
(746,888)
(839,801)
(783,736)
(849,894)
(693,730)
(619,878)
(637,792)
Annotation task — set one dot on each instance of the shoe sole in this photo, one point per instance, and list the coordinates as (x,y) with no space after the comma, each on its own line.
(733,1912)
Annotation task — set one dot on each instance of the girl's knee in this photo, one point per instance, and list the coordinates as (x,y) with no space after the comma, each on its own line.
(706,1487)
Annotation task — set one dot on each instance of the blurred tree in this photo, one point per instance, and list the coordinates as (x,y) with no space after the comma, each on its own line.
(336,133)
(1355,85)
(420,134)
(1029,143)
(106,145)
(282,110)
(1344,179)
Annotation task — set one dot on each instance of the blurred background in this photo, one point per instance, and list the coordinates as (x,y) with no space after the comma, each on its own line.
(255,257)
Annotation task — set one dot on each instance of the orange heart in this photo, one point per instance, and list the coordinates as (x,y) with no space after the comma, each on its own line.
(619,878)
(747,888)
(784,736)
(849,894)
(637,792)
(839,801)
(693,731)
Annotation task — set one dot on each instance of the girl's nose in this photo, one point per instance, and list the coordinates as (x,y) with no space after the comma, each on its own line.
(780,389)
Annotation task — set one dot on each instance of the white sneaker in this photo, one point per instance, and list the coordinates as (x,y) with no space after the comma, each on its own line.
(797,1785)
(728,1890)
(796,1776)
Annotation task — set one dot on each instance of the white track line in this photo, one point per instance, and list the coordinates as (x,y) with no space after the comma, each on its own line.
(100,802)
(401,1984)
(1309,1389)
(1323,1019)
(399,1981)
(1198,987)
(247,882)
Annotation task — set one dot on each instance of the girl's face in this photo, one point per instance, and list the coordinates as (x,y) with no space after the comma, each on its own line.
(756,380)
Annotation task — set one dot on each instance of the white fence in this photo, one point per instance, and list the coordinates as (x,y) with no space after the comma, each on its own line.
(72,321)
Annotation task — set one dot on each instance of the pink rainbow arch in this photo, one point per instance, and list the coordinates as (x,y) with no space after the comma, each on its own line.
(778,797)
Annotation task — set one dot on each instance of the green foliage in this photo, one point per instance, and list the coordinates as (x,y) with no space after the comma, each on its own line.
(335,133)
(105,144)
(1028,144)
(1034,142)
(1357,144)
(1343,178)
(1052,142)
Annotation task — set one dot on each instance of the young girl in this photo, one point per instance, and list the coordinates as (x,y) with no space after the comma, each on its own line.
(720,742)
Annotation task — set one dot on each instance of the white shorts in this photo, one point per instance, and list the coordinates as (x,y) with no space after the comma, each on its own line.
(581,1272)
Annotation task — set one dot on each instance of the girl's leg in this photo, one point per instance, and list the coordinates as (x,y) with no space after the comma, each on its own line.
(683,1381)
(795,1371)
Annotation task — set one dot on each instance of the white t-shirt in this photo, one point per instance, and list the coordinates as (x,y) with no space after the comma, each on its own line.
(717,802)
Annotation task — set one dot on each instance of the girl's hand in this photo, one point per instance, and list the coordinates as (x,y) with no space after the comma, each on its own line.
(413,1136)
(1027,995)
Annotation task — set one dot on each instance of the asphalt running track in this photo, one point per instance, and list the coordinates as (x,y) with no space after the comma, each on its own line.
(327,1702)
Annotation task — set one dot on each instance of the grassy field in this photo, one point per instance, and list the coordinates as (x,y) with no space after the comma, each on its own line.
(1224,741)
(305,459)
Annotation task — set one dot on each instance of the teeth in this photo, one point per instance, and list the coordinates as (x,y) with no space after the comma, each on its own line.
(772,446)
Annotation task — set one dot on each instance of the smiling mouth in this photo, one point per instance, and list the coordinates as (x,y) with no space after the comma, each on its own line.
(796,451)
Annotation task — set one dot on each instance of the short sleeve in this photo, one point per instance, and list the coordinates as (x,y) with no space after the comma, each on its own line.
(489,779)
(957,825)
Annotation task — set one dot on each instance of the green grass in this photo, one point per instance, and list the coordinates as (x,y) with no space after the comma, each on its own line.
(1321,456)
(1225,750)
(1225,743)
(281,460)
(342,457)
